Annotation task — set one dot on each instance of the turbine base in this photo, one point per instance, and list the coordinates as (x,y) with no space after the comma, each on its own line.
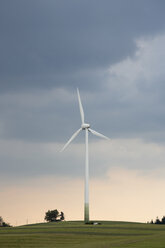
(86,213)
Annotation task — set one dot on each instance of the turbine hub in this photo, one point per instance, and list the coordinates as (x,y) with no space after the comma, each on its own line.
(85,125)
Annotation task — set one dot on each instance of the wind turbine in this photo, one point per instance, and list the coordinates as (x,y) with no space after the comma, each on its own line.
(86,128)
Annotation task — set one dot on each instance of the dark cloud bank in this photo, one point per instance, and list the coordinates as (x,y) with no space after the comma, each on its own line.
(47,45)
(53,43)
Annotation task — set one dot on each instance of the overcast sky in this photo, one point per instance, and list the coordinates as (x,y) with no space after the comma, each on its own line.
(113,51)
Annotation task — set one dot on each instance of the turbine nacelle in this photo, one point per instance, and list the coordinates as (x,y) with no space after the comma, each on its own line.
(85,125)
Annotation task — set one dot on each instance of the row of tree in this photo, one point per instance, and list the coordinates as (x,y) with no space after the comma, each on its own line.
(54,215)
(158,221)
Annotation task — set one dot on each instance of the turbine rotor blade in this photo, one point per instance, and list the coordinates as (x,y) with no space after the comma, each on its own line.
(98,134)
(81,107)
(70,140)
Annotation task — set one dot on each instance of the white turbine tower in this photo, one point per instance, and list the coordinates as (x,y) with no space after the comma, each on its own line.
(86,128)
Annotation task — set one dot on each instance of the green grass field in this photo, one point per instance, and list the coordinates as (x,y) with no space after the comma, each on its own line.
(76,234)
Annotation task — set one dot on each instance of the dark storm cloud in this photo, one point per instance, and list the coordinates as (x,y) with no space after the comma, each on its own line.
(44,43)
(48,48)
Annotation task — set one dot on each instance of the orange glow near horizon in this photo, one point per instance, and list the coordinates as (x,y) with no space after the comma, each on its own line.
(123,196)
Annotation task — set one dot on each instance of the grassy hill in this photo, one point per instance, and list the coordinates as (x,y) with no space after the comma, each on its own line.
(76,234)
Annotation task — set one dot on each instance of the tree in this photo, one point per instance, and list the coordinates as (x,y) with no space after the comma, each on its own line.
(51,215)
(3,224)
(151,222)
(157,221)
(163,220)
(1,221)
(62,216)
